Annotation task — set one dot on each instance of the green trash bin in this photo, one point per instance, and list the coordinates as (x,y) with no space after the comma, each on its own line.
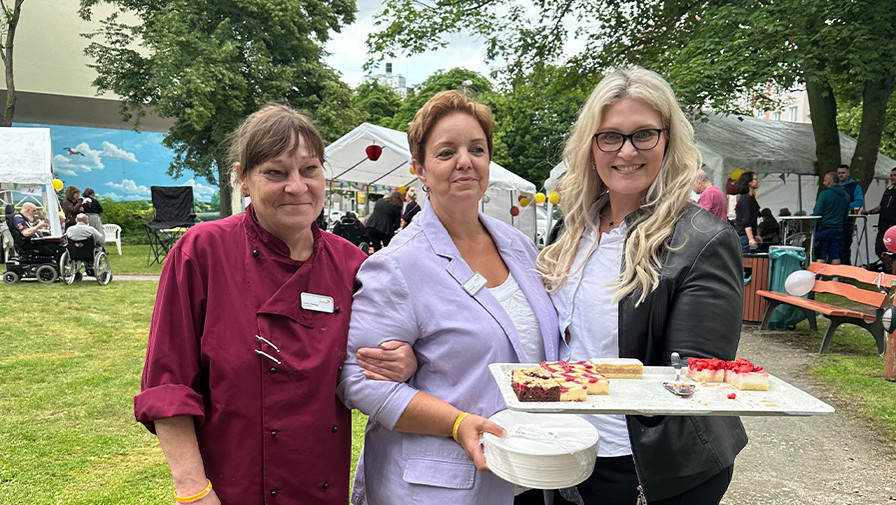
(783,261)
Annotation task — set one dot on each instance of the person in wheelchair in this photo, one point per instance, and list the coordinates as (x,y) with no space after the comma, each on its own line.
(350,228)
(83,231)
(27,230)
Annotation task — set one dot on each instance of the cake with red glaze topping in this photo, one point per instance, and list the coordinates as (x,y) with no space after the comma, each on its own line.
(743,374)
(707,369)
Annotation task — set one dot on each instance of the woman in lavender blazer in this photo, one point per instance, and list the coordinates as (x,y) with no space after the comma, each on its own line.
(460,287)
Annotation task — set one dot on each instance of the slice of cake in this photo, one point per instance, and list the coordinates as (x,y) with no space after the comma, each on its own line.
(707,369)
(742,374)
(582,372)
(535,385)
(572,391)
(619,368)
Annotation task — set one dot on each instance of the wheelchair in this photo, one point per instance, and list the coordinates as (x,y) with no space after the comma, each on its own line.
(46,260)
(83,254)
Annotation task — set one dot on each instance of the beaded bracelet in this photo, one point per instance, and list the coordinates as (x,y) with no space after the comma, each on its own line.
(196,497)
(457,425)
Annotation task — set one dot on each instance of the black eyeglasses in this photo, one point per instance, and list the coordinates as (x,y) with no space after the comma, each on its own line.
(642,140)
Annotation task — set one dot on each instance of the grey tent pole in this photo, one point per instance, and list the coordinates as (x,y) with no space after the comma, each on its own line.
(799,190)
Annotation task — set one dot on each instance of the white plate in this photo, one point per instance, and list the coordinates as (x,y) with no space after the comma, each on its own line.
(648,397)
(541,451)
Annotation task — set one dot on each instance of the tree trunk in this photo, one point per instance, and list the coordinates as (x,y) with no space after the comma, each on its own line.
(225,190)
(10,104)
(823,110)
(874,117)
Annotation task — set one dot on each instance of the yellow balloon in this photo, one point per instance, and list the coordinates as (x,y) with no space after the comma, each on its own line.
(524,202)
(57,184)
(540,198)
(736,174)
(412,171)
(554,197)
(401,189)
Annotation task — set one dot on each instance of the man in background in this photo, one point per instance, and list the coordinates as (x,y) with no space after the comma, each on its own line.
(711,197)
(856,201)
(831,205)
(887,211)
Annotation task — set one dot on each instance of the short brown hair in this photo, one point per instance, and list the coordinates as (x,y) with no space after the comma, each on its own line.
(439,106)
(269,132)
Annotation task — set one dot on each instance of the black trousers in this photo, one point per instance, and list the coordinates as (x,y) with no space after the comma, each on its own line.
(614,482)
(378,239)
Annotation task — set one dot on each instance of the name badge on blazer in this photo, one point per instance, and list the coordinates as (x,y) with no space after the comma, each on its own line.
(317,303)
(475,283)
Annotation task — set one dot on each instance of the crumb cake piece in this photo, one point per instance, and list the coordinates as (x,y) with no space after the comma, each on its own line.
(535,385)
(707,369)
(742,374)
(618,368)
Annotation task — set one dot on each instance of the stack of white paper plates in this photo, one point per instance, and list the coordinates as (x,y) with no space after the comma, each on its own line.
(542,451)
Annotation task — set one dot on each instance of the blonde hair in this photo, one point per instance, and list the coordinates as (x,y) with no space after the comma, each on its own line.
(647,239)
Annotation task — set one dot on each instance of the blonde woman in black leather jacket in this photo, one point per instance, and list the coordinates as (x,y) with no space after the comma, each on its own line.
(640,272)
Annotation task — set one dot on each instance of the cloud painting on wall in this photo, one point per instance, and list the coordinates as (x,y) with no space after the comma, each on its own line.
(118,164)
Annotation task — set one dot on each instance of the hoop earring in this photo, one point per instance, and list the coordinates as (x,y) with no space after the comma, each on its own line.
(425,188)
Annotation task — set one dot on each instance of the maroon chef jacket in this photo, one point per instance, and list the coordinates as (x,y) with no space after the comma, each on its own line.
(269,432)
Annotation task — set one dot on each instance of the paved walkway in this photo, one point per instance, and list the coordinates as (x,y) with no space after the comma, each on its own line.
(133,277)
(834,459)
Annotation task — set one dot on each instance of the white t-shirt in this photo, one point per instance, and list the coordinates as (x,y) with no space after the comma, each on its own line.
(585,307)
(517,307)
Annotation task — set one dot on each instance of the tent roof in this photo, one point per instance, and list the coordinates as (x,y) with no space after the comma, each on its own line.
(768,146)
(764,146)
(26,156)
(347,161)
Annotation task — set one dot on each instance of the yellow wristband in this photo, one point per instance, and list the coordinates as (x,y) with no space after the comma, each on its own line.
(196,497)
(457,422)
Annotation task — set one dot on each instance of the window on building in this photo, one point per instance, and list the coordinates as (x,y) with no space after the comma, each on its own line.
(776,116)
(794,113)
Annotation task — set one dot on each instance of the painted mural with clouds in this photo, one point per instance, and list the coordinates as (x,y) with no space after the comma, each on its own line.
(118,164)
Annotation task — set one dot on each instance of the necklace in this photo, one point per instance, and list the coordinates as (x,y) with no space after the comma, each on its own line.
(603,218)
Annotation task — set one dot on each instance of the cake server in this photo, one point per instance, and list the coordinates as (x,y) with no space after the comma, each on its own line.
(678,388)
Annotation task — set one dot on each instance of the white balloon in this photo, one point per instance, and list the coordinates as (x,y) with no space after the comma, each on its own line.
(800,282)
(550,184)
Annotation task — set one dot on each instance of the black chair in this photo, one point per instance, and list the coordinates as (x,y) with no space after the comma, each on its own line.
(173,210)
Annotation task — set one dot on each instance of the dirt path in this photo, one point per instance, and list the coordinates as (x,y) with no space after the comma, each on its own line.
(835,459)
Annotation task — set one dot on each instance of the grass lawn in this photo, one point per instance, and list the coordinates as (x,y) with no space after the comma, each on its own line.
(70,362)
(132,260)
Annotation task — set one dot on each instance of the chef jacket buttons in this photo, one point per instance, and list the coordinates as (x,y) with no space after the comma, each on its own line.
(336,309)
(274,433)
(255,253)
(326,485)
(273,369)
(340,368)
(273,492)
(335,429)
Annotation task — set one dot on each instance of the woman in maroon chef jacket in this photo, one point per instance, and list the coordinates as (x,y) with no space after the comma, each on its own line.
(248,335)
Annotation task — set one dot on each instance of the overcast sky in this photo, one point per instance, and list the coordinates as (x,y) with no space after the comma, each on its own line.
(349,52)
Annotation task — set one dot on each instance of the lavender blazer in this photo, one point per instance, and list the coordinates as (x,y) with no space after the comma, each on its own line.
(413,291)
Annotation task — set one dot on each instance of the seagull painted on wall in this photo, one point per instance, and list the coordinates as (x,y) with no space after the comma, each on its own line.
(72,152)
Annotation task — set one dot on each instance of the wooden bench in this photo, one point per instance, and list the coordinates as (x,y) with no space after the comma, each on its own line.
(875,300)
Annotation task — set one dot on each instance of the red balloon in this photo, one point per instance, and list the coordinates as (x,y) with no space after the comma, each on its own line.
(514,211)
(373,152)
(890,239)
(731,187)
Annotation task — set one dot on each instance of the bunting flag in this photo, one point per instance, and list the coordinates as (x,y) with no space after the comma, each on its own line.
(783,178)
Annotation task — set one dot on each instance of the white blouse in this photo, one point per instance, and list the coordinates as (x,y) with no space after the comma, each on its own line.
(517,307)
(586,310)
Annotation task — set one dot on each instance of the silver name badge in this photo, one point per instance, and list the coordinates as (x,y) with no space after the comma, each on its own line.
(475,283)
(318,303)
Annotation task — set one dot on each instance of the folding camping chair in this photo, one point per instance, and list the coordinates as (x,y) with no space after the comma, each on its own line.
(173,213)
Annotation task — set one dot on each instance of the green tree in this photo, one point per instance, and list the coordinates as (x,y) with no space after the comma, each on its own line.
(533,118)
(729,55)
(443,80)
(7,36)
(376,103)
(210,63)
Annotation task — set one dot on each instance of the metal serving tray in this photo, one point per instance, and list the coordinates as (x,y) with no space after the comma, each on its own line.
(648,397)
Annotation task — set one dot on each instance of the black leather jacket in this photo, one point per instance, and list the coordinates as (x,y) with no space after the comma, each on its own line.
(695,310)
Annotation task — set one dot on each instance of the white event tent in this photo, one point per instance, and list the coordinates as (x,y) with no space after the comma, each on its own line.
(347,163)
(26,168)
